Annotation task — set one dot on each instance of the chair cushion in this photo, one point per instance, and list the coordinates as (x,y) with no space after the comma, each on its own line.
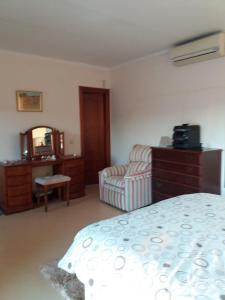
(52,179)
(140,153)
(117,181)
(118,170)
(137,167)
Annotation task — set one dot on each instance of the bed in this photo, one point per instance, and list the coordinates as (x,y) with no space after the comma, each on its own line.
(172,250)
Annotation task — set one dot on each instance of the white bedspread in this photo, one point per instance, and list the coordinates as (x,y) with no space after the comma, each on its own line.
(172,250)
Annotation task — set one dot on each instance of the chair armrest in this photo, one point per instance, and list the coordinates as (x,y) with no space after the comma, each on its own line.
(119,170)
(139,175)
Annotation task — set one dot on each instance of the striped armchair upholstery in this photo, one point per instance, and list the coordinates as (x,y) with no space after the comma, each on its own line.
(128,186)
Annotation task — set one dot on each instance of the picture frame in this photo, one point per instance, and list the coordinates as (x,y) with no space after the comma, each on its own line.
(29,101)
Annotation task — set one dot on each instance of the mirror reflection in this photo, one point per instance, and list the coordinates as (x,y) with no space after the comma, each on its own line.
(42,138)
(42,142)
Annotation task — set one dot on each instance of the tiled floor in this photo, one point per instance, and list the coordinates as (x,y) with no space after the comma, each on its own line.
(33,237)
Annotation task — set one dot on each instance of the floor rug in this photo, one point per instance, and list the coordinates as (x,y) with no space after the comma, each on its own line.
(68,285)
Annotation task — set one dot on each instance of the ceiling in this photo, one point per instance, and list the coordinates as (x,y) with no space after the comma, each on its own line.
(104,32)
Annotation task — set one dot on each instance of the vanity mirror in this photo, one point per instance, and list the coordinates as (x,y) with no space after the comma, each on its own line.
(41,142)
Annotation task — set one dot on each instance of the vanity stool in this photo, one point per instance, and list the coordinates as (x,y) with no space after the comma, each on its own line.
(44,184)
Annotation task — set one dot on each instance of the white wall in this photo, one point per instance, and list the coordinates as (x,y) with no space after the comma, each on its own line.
(151,95)
(59,81)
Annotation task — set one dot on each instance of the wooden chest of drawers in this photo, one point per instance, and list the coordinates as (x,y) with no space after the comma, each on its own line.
(75,169)
(176,172)
(15,188)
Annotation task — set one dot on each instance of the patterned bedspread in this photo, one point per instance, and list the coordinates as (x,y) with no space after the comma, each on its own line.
(172,250)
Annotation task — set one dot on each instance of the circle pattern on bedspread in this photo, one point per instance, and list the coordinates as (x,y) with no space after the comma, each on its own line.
(186,226)
(156,240)
(178,245)
(119,262)
(87,242)
(163,294)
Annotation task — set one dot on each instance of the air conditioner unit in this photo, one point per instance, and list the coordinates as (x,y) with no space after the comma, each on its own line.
(209,47)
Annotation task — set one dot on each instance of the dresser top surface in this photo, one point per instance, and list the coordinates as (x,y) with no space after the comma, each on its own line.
(40,162)
(186,150)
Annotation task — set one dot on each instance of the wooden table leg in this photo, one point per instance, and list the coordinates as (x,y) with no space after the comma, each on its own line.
(67,188)
(60,193)
(46,198)
(38,188)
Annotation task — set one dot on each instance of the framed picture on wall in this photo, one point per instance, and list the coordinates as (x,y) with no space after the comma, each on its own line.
(30,101)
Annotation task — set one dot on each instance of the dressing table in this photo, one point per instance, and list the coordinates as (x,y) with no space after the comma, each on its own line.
(40,146)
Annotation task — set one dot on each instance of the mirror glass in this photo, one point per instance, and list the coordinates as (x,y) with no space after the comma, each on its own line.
(42,138)
(25,147)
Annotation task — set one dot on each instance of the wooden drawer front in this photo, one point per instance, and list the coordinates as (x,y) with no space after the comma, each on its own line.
(74,171)
(15,171)
(20,200)
(177,178)
(76,188)
(19,190)
(77,178)
(156,196)
(73,163)
(177,156)
(179,168)
(172,189)
(18,180)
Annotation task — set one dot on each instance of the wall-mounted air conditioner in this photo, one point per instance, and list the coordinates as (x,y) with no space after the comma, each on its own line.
(209,47)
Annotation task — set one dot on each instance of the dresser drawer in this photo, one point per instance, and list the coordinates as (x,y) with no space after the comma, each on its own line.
(77,180)
(177,167)
(73,163)
(177,156)
(18,180)
(19,190)
(176,171)
(170,188)
(76,188)
(77,191)
(74,170)
(20,201)
(156,197)
(21,170)
(177,177)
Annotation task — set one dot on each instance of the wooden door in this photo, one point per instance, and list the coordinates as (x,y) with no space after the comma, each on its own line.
(95,131)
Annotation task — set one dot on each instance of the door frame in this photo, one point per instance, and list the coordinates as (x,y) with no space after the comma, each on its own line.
(106,94)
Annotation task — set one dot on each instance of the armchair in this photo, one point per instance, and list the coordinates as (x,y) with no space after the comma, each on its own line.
(128,186)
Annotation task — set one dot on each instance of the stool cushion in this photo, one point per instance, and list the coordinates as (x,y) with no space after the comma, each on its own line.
(52,179)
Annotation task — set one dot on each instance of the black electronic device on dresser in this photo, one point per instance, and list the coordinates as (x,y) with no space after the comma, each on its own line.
(186,137)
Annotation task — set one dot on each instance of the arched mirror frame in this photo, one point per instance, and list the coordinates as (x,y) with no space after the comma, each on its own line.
(27,145)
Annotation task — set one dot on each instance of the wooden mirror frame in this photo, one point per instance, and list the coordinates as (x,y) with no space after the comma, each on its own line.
(26,141)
